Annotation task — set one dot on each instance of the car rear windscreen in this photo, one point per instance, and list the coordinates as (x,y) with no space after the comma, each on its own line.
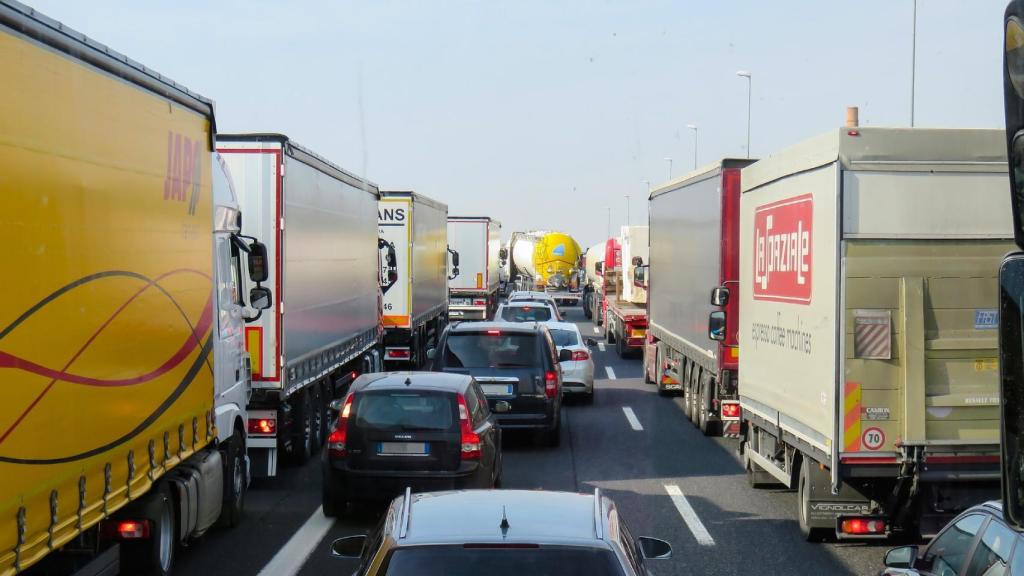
(405,410)
(473,561)
(491,349)
(564,338)
(526,314)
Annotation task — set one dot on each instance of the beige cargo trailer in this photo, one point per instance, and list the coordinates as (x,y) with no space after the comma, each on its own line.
(868,375)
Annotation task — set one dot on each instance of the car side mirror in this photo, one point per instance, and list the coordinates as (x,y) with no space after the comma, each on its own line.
(901,557)
(716,325)
(654,548)
(336,405)
(1010,320)
(348,547)
(260,298)
(431,353)
(591,342)
(258,271)
(719,296)
(564,355)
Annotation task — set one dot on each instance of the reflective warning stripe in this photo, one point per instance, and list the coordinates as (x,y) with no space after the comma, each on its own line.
(851,418)
(254,344)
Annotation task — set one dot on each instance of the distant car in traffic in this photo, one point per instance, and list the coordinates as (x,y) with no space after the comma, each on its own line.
(502,533)
(977,542)
(517,366)
(521,311)
(395,430)
(578,372)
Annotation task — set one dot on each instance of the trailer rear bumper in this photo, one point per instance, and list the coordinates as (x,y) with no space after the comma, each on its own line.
(467,312)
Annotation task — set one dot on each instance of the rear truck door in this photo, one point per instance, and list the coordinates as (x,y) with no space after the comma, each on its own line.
(405,430)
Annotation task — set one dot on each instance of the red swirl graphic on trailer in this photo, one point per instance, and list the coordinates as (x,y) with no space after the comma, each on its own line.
(783,250)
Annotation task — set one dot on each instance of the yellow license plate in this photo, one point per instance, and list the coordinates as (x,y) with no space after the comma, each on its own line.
(637,333)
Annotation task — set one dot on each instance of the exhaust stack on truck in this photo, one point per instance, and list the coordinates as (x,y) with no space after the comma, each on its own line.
(318,222)
(868,378)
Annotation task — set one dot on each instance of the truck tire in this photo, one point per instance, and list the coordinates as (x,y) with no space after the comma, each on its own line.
(609,333)
(647,373)
(318,416)
(688,397)
(620,346)
(334,503)
(233,454)
(155,556)
(707,426)
(302,420)
(804,505)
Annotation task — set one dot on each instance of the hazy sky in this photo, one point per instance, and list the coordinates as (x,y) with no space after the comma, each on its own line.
(545,113)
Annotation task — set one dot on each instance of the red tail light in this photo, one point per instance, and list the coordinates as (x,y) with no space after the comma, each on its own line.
(550,383)
(479,302)
(580,355)
(494,332)
(730,410)
(863,526)
(470,439)
(336,441)
(398,353)
(262,426)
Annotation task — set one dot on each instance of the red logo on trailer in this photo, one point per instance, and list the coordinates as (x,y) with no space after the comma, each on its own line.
(782,250)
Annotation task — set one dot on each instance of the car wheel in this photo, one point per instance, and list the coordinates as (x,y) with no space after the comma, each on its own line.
(334,503)
(553,437)
(804,504)
(588,397)
(235,481)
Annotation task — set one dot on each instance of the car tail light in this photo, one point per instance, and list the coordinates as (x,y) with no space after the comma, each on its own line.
(862,526)
(336,441)
(262,426)
(470,439)
(730,410)
(550,383)
(398,353)
(578,355)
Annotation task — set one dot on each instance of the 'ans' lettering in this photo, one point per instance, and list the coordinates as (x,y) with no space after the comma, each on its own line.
(782,250)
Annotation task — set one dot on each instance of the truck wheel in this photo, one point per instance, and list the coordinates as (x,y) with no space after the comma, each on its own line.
(302,420)
(620,347)
(154,557)
(804,504)
(706,425)
(648,379)
(233,453)
(316,417)
(334,503)
(689,400)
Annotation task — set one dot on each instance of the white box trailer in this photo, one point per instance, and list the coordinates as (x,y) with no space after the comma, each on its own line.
(318,223)
(473,291)
(868,291)
(414,242)
(694,249)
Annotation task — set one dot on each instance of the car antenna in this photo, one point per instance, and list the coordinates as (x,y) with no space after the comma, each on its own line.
(408,381)
(504,523)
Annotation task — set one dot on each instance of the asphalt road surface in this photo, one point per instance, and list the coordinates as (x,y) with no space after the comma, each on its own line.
(667,479)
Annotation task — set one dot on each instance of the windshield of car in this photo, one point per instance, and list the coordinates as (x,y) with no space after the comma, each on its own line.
(539,561)
(491,349)
(526,313)
(404,410)
(564,338)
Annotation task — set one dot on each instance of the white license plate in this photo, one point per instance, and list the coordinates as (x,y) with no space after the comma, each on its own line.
(498,389)
(403,449)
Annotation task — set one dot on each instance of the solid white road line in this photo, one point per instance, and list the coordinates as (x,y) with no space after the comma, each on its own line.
(610,371)
(600,346)
(290,559)
(689,516)
(633,421)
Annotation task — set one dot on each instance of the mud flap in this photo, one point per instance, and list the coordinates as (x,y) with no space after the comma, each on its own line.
(826,507)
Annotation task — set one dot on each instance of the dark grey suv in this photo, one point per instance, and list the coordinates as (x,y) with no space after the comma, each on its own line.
(517,366)
(502,533)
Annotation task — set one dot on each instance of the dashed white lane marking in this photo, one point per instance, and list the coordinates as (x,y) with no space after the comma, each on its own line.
(597,330)
(689,516)
(633,421)
(610,371)
(290,558)
(600,346)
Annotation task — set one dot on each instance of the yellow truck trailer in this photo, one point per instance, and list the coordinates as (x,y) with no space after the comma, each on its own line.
(113,338)
(868,374)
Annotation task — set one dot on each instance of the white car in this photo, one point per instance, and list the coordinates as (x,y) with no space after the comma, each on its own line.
(526,311)
(578,373)
(541,297)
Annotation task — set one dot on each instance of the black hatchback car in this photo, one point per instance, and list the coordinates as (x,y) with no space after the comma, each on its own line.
(420,430)
(517,366)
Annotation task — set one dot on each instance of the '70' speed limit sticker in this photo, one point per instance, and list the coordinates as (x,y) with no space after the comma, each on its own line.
(873,438)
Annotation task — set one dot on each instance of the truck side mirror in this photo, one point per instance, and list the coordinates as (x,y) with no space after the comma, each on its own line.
(1011,386)
(258,271)
(716,325)
(260,298)
(719,296)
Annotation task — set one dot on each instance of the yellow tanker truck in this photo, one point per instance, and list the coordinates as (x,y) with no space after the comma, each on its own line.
(545,260)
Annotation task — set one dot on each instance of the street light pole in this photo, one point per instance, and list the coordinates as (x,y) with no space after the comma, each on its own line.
(627,210)
(669,160)
(609,231)
(746,74)
(694,128)
(913,63)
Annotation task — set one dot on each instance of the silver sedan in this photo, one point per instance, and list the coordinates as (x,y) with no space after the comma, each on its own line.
(578,373)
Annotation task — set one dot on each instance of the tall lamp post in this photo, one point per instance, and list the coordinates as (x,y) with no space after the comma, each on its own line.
(627,209)
(913,63)
(694,128)
(669,160)
(746,74)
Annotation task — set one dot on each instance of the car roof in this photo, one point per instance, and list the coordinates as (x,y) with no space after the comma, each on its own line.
(476,516)
(562,326)
(525,294)
(526,303)
(444,381)
(521,327)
